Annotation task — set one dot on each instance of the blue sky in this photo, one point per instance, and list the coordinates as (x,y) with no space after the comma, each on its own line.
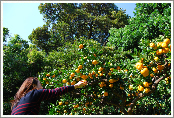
(22,18)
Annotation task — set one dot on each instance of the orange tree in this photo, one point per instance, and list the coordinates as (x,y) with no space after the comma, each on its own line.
(116,83)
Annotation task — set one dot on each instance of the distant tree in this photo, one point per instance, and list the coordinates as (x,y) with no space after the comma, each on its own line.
(67,21)
(5,34)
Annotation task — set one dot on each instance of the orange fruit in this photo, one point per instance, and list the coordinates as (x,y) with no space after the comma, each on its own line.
(111,69)
(164,45)
(93,72)
(48,75)
(140,88)
(160,67)
(165,50)
(81,46)
(64,81)
(73,82)
(68,83)
(156,58)
(94,55)
(84,109)
(118,67)
(109,74)
(53,76)
(60,103)
(105,93)
(145,84)
(47,82)
(121,88)
(77,70)
(154,70)
(139,65)
(101,85)
(94,62)
(167,41)
(146,90)
(130,87)
(77,79)
(96,75)
(152,45)
(100,69)
(145,72)
(111,85)
(151,75)
(111,80)
(72,74)
(44,79)
(80,67)
(84,77)
(136,94)
(159,44)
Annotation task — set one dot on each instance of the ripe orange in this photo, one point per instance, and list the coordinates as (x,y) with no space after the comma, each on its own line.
(105,93)
(165,50)
(48,75)
(111,69)
(167,41)
(111,85)
(77,70)
(102,82)
(94,62)
(151,75)
(152,45)
(145,84)
(84,109)
(139,65)
(140,88)
(109,74)
(118,67)
(156,58)
(73,82)
(93,72)
(130,87)
(47,82)
(64,81)
(164,45)
(94,55)
(111,80)
(53,76)
(101,85)
(145,72)
(84,77)
(72,74)
(160,67)
(96,75)
(100,69)
(154,70)
(68,83)
(159,44)
(44,79)
(121,88)
(60,103)
(81,46)
(80,67)
(146,90)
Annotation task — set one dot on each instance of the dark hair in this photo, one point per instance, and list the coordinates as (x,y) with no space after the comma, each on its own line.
(28,85)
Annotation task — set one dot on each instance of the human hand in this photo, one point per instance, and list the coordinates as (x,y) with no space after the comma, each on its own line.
(80,84)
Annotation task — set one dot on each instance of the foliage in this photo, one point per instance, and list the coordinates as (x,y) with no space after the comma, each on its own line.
(92,99)
(66,22)
(150,21)
(5,34)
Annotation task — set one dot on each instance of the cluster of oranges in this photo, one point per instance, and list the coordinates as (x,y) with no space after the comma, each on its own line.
(164,48)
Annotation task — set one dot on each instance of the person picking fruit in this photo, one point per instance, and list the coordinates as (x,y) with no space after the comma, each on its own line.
(29,96)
